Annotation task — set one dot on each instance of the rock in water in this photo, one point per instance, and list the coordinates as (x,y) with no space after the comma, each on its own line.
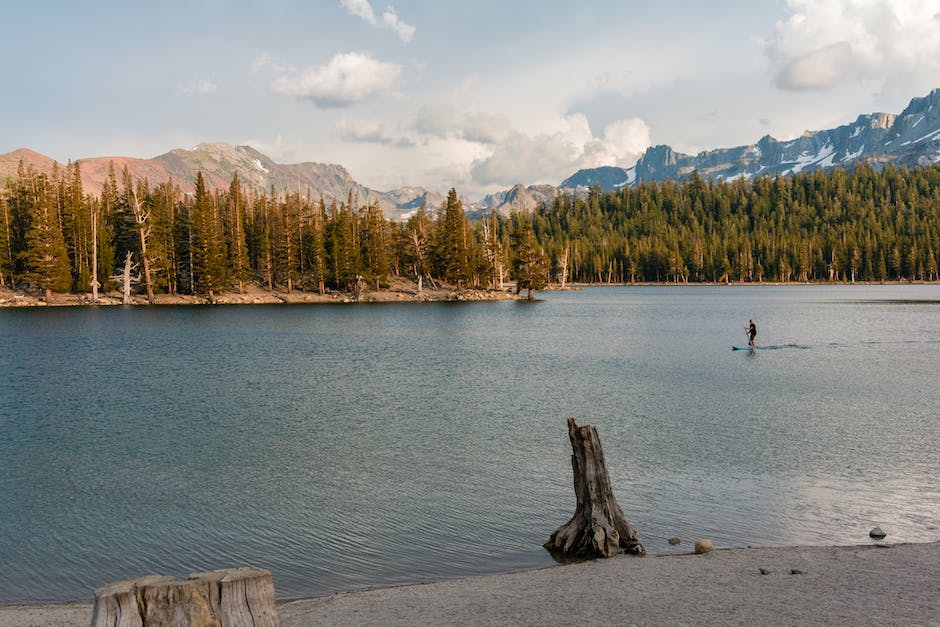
(877,533)
(674,541)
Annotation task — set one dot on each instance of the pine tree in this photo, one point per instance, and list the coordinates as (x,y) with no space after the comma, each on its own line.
(162,245)
(529,264)
(453,243)
(77,227)
(46,257)
(287,234)
(344,247)
(375,245)
(207,242)
(236,244)
(314,242)
(107,249)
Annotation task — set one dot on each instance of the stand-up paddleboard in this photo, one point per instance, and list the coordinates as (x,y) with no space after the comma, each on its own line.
(743,348)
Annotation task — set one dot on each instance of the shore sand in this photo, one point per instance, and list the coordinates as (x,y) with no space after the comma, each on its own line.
(852,585)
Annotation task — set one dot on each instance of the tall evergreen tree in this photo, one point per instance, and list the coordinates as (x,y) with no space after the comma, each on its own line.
(235,241)
(105,220)
(46,257)
(375,245)
(530,265)
(208,250)
(454,242)
(345,253)
(314,242)
(77,227)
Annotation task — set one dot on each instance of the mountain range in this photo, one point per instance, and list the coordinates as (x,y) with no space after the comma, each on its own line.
(219,162)
(910,138)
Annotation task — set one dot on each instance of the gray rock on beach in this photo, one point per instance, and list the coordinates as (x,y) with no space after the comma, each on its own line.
(877,533)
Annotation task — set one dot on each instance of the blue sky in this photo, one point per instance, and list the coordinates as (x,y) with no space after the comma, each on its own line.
(478,95)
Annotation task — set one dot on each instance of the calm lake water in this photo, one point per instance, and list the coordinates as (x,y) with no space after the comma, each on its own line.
(365,445)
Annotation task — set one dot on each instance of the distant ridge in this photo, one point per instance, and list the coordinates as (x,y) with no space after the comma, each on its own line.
(219,162)
(910,138)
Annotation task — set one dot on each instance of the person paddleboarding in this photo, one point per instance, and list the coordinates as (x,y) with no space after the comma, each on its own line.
(751,329)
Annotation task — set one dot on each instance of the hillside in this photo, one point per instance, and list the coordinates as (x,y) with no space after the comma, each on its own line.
(219,162)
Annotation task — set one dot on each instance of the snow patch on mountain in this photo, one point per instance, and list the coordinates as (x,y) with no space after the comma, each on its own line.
(930,135)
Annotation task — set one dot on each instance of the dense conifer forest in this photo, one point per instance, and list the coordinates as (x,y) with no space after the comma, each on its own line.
(858,225)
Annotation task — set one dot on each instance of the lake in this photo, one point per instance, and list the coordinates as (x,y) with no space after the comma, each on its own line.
(348,446)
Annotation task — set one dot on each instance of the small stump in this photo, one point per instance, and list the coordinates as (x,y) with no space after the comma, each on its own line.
(227,597)
(598,527)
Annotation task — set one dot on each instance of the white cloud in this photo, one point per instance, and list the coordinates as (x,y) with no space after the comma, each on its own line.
(360,8)
(199,87)
(556,154)
(824,42)
(390,20)
(347,79)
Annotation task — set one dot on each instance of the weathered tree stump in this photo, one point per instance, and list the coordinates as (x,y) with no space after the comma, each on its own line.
(221,598)
(242,596)
(598,527)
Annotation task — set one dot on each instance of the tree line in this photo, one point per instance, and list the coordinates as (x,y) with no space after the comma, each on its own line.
(861,224)
(56,238)
(838,225)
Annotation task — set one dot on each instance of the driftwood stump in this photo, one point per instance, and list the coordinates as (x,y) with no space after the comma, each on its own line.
(221,598)
(598,527)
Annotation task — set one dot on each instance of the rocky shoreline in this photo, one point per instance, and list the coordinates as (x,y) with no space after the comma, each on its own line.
(257,296)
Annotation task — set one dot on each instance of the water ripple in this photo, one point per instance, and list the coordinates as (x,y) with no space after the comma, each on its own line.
(345,448)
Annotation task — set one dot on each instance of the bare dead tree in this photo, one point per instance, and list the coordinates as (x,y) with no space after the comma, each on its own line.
(563,271)
(127,277)
(142,220)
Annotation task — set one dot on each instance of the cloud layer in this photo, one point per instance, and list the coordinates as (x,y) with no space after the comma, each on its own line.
(347,79)
(554,155)
(824,42)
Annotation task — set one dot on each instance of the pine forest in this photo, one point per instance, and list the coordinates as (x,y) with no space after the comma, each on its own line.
(862,224)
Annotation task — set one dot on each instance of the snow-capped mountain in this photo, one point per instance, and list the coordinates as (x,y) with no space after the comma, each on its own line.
(910,138)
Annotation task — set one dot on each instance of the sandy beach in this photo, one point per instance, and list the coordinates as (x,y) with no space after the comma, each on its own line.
(851,585)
